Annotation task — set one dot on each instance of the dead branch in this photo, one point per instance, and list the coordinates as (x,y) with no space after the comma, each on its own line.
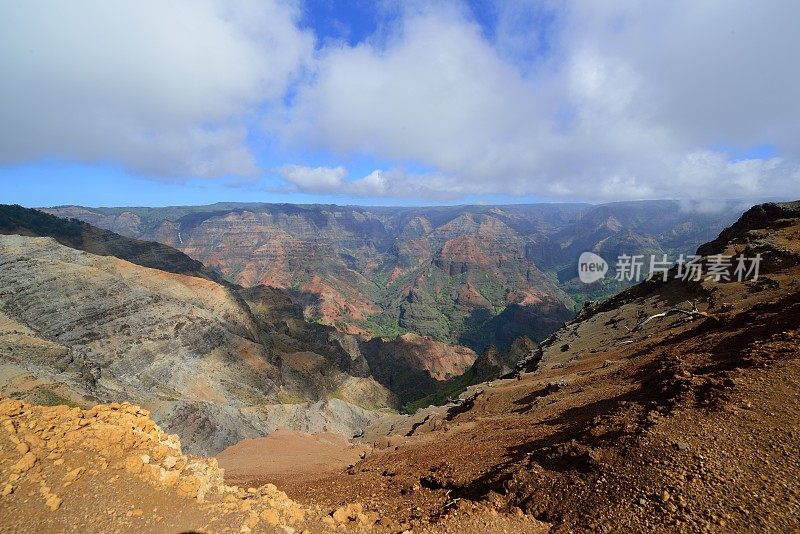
(451,503)
(692,314)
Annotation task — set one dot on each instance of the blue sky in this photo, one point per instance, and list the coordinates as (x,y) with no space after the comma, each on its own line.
(396,103)
(54,184)
(351,21)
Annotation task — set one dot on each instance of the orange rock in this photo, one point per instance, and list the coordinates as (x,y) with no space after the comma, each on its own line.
(53,502)
(252,520)
(170,478)
(34,440)
(348,513)
(73,475)
(270,517)
(189,486)
(11,407)
(8,424)
(25,463)
(133,464)
(294,514)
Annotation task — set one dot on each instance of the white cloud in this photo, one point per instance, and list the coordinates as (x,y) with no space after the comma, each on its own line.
(627,101)
(161,87)
(437,94)
(314,179)
(393,183)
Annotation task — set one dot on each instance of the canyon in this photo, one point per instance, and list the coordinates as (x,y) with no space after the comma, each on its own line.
(629,417)
(214,362)
(466,275)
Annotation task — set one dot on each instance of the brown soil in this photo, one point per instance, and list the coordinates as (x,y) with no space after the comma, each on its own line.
(285,455)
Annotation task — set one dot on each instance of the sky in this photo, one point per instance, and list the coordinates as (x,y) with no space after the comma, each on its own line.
(387,102)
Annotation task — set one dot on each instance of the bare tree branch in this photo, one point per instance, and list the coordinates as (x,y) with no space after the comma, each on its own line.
(692,314)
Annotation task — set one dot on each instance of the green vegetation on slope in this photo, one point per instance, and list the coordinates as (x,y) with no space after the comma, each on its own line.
(449,389)
(15,217)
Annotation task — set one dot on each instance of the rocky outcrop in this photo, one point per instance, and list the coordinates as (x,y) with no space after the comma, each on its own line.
(442,361)
(413,366)
(490,364)
(524,354)
(758,217)
(51,458)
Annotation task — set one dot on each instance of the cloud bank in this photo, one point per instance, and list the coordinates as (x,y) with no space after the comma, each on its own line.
(393,183)
(579,100)
(163,88)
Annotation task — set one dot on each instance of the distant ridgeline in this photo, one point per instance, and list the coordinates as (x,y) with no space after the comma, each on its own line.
(470,275)
(15,218)
(77,234)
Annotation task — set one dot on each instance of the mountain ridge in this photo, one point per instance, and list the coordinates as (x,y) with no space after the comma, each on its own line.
(447,272)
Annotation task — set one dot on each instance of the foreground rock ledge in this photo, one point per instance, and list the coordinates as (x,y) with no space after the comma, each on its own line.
(64,468)
(112,469)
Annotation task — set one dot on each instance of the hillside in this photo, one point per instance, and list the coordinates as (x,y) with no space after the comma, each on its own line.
(686,422)
(82,236)
(83,329)
(214,363)
(471,275)
(111,469)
